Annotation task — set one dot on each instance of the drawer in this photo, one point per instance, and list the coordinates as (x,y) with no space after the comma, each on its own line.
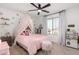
(71,43)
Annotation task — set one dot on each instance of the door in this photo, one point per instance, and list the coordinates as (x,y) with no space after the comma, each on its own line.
(53,29)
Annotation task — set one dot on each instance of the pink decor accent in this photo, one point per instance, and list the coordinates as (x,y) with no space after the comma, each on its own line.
(23,33)
(4,48)
(26,33)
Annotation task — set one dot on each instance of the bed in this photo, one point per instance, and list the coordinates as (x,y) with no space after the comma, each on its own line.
(31,43)
(25,37)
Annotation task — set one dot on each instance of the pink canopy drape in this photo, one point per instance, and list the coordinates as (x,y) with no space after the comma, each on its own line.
(24,22)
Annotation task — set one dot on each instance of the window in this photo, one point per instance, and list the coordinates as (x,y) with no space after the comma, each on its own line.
(49,26)
(53,26)
(55,23)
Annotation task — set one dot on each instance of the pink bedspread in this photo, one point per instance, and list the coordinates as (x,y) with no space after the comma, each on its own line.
(31,43)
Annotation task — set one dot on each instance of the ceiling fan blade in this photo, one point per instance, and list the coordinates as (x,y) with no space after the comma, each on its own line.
(38,13)
(45,11)
(33,10)
(46,6)
(33,5)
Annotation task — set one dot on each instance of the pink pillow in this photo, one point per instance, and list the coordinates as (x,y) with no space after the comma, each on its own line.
(28,29)
(26,33)
(23,33)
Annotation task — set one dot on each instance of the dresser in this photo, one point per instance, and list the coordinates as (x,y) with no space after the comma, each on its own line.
(72,39)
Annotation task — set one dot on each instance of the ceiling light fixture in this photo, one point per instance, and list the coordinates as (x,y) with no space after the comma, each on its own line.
(39,10)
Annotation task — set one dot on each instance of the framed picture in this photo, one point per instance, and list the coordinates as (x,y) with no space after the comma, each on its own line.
(71,25)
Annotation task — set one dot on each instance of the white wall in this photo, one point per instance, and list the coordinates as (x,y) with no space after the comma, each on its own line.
(39,20)
(13,20)
(72,17)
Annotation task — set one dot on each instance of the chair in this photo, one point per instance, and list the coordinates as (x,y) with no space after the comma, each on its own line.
(4,48)
(47,46)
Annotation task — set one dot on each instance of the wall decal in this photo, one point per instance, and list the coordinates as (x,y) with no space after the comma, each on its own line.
(3,18)
(8,21)
(4,23)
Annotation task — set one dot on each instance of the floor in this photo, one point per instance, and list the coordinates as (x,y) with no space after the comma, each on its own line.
(56,50)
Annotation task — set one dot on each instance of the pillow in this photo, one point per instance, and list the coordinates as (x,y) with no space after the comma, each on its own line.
(28,29)
(26,33)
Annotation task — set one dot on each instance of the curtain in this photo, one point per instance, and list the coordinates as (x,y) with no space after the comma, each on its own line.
(24,23)
(62,27)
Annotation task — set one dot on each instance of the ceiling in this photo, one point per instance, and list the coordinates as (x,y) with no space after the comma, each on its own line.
(24,7)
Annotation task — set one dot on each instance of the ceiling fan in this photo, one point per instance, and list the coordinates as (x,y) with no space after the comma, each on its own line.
(40,8)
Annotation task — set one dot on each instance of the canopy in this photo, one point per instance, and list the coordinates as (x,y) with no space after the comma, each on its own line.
(25,21)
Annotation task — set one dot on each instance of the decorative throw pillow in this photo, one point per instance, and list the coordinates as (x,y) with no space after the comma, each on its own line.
(23,33)
(27,31)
